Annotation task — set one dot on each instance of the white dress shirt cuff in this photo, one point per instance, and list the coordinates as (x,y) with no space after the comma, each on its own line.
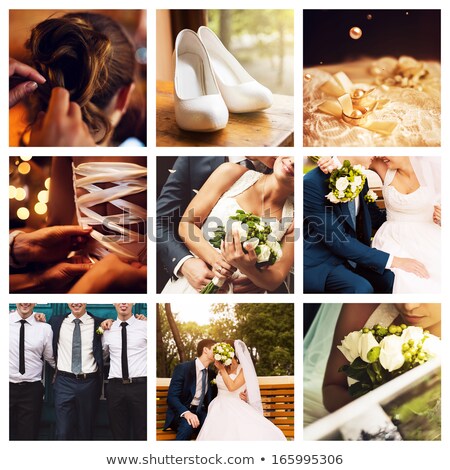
(389,262)
(179,264)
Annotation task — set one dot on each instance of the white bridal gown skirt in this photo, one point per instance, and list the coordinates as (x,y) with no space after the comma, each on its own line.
(420,241)
(232,419)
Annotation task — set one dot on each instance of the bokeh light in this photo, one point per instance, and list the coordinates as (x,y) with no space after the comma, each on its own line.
(21,194)
(23,213)
(24,168)
(40,208)
(43,196)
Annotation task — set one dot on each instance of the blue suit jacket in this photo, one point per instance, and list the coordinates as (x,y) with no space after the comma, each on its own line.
(182,390)
(56,322)
(330,237)
(190,173)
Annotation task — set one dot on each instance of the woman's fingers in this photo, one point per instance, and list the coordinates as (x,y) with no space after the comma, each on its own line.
(24,70)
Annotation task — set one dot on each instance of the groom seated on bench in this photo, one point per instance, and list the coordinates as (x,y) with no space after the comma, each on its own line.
(190,392)
(338,257)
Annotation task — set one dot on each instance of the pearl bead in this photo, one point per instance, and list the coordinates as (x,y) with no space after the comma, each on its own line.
(358,93)
(307,77)
(355,32)
(356,113)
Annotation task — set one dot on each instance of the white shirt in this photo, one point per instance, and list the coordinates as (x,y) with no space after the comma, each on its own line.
(88,364)
(136,348)
(38,346)
(198,388)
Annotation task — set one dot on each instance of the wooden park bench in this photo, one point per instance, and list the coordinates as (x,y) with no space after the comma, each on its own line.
(277,395)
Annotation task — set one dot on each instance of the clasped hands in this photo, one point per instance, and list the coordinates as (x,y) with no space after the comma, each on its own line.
(232,257)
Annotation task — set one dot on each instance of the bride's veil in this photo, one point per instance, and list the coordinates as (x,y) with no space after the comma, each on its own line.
(251,379)
(428,172)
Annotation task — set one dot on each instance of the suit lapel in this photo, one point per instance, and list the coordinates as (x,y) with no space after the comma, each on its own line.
(346,212)
(192,379)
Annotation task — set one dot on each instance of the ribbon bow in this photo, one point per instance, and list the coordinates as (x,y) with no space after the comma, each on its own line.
(353,105)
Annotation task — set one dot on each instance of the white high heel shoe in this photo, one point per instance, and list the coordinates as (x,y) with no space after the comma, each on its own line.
(199,105)
(241,92)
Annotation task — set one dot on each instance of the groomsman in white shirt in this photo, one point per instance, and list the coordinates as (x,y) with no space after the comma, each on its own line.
(126,344)
(30,344)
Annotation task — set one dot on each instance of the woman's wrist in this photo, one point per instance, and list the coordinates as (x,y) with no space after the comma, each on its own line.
(18,249)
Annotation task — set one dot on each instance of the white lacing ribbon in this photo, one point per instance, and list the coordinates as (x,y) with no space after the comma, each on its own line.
(128,179)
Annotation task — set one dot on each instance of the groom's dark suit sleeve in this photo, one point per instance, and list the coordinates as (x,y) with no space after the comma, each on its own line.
(177,389)
(188,173)
(324,226)
(169,208)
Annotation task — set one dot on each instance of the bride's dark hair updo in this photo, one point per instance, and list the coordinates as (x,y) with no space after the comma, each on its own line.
(88,54)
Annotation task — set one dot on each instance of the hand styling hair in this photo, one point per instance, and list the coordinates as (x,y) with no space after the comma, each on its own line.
(88,54)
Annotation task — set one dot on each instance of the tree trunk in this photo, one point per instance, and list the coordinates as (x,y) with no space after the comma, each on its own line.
(161,365)
(175,332)
(225,27)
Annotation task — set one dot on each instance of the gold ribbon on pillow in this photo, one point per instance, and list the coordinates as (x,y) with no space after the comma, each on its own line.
(357,115)
(353,105)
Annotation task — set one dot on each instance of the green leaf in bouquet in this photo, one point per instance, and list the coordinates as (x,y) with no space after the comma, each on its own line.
(359,389)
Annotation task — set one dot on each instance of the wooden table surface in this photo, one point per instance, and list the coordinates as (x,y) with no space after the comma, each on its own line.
(273,127)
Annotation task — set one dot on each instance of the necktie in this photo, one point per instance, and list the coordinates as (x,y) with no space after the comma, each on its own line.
(202,396)
(22,347)
(352,210)
(124,325)
(76,347)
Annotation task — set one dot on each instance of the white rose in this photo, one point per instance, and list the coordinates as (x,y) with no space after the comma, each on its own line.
(412,332)
(353,187)
(231,354)
(358,168)
(372,194)
(391,355)
(259,227)
(366,342)
(254,242)
(341,195)
(332,198)
(264,254)
(237,227)
(224,358)
(342,183)
(432,346)
(220,349)
(217,357)
(357,181)
(350,346)
(276,248)
(227,362)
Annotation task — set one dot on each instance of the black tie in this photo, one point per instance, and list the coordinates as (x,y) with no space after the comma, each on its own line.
(124,325)
(22,347)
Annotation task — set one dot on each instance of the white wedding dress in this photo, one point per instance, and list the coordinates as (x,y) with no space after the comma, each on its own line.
(231,419)
(124,179)
(317,347)
(410,232)
(225,207)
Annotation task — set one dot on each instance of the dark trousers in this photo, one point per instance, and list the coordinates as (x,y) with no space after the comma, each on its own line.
(185,431)
(344,279)
(76,403)
(25,407)
(127,410)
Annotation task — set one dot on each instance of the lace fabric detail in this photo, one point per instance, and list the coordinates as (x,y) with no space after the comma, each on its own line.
(127,179)
(417,113)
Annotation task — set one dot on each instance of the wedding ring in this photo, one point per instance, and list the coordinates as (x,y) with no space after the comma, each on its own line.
(358,116)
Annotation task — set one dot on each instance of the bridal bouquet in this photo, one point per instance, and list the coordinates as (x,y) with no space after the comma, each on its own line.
(345,182)
(223,352)
(253,231)
(380,354)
